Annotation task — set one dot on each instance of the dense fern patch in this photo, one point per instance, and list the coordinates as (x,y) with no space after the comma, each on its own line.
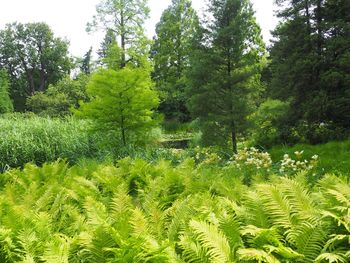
(141,212)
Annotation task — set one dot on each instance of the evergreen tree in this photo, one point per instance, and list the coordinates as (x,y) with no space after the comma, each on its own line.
(86,62)
(108,40)
(309,64)
(124,21)
(225,71)
(170,52)
(5,101)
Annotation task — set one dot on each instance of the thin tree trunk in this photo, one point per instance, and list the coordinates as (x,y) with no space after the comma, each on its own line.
(123,131)
(122,40)
(234,140)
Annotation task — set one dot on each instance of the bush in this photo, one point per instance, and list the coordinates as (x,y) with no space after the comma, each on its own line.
(28,138)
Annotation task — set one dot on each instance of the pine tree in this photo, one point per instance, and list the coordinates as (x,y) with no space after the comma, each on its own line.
(170,52)
(309,60)
(225,71)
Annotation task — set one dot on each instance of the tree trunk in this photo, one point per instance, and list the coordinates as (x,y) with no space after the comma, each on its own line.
(234,140)
(123,131)
(122,40)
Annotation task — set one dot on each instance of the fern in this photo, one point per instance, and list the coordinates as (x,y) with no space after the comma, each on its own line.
(331,258)
(211,238)
(309,239)
(249,254)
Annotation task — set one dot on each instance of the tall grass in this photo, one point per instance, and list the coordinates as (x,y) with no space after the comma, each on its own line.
(28,138)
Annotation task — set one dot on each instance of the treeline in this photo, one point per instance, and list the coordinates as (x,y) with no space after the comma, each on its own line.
(214,71)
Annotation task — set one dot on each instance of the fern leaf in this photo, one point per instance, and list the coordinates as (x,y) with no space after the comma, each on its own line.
(249,254)
(213,240)
(330,258)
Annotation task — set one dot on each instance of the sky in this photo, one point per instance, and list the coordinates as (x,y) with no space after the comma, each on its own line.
(68,18)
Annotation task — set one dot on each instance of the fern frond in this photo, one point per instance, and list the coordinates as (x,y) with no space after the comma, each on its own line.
(277,205)
(309,239)
(139,222)
(330,258)
(192,251)
(212,239)
(57,250)
(249,254)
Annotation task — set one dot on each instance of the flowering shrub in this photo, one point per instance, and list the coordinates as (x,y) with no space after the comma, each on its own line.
(253,158)
(289,165)
(206,156)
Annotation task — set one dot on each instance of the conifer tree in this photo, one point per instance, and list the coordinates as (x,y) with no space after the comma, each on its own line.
(309,65)
(226,66)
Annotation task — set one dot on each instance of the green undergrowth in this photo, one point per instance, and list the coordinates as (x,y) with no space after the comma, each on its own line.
(28,138)
(333,156)
(137,211)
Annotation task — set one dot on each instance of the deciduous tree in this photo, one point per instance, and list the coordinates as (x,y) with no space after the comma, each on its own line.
(5,101)
(171,50)
(33,57)
(123,19)
(122,104)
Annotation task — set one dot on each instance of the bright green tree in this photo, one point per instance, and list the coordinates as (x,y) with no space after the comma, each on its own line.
(5,101)
(124,21)
(123,103)
(171,50)
(225,73)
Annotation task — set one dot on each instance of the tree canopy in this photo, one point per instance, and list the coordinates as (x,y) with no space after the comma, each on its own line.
(122,103)
(170,52)
(34,59)
(123,20)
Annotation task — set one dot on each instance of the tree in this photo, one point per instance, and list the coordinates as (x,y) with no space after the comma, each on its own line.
(122,103)
(59,99)
(5,101)
(123,20)
(171,51)
(309,64)
(108,40)
(225,71)
(33,57)
(86,62)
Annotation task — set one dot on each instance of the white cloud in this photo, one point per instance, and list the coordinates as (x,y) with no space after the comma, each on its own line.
(68,18)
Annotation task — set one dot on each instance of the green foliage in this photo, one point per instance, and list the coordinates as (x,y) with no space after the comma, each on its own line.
(34,59)
(171,51)
(122,103)
(58,99)
(224,77)
(267,121)
(5,100)
(333,156)
(123,22)
(309,61)
(141,212)
(34,139)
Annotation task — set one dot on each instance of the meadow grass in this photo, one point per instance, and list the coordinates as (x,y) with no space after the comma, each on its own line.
(334,157)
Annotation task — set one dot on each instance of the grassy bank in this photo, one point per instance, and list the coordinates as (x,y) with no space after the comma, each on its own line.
(334,157)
